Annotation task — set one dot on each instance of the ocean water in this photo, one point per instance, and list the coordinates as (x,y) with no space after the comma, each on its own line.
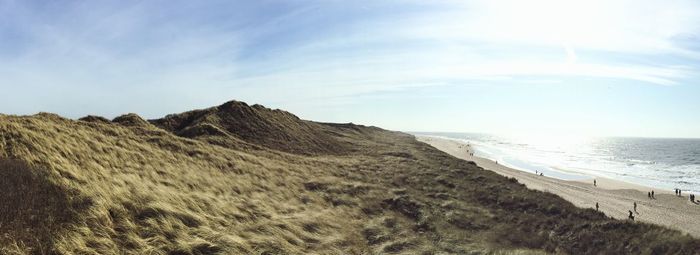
(662,163)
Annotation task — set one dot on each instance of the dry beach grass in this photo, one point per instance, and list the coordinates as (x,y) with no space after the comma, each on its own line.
(239,179)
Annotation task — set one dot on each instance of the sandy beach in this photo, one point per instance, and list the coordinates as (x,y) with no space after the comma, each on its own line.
(615,198)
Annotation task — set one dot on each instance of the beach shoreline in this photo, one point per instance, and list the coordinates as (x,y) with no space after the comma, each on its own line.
(615,198)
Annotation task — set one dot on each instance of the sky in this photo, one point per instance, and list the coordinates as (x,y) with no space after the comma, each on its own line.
(593,68)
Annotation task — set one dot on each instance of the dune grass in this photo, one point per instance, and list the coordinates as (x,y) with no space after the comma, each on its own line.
(129,187)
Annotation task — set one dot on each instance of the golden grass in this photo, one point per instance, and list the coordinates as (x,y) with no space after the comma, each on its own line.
(119,188)
(248,126)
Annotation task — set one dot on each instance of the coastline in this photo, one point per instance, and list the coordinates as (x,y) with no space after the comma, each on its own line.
(615,198)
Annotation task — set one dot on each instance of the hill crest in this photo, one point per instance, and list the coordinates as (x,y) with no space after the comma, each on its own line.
(256,124)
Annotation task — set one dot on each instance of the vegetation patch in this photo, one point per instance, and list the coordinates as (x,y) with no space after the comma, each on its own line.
(34,208)
(239,179)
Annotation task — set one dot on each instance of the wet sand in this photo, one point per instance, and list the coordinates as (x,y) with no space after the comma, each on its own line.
(615,198)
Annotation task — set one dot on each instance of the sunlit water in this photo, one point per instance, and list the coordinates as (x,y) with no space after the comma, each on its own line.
(656,162)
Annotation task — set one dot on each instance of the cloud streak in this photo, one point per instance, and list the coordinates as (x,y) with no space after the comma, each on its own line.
(194,54)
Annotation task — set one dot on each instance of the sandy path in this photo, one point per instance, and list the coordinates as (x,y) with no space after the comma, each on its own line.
(614,197)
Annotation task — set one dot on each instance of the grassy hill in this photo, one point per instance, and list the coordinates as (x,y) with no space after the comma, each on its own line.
(239,179)
(235,123)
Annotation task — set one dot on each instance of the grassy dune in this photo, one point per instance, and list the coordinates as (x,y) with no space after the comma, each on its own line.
(239,179)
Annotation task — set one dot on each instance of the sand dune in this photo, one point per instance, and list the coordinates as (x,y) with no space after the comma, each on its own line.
(240,179)
(615,198)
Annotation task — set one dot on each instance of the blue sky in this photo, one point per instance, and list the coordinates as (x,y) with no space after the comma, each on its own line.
(610,68)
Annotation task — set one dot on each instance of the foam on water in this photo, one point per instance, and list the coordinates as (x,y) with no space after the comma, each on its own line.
(655,162)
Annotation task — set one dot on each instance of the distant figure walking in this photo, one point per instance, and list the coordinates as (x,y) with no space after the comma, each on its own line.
(631,217)
(595,184)
(679,192)
(652,195)
(692,198)
(635,206)
(649,195)
(596,206)
(676,190)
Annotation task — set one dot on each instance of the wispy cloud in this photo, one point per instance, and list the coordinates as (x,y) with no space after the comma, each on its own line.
(198,53)
(480,40)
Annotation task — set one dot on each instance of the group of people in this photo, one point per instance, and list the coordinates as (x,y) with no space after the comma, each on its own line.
(691,196)
(631,215)
(650,195)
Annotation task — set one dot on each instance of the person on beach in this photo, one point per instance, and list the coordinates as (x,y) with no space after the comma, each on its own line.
(596,206)
(649,195)
(631,217)
(652,194)
(676,191)
(541,174)
(635,206)
(679,193)
(595,184)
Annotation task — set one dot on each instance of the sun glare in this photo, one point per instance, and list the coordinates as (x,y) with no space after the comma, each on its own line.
(565,23)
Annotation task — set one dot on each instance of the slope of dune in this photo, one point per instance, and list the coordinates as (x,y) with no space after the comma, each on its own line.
(238,179)
(274,129)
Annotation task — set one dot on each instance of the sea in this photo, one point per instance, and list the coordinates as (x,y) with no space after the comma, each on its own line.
(662,163)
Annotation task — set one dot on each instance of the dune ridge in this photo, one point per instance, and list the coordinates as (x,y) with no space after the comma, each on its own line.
(254,125)
(239,179)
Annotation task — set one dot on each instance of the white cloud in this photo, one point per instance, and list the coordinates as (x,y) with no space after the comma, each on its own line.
(483,40)
(644,26)
(329,49)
